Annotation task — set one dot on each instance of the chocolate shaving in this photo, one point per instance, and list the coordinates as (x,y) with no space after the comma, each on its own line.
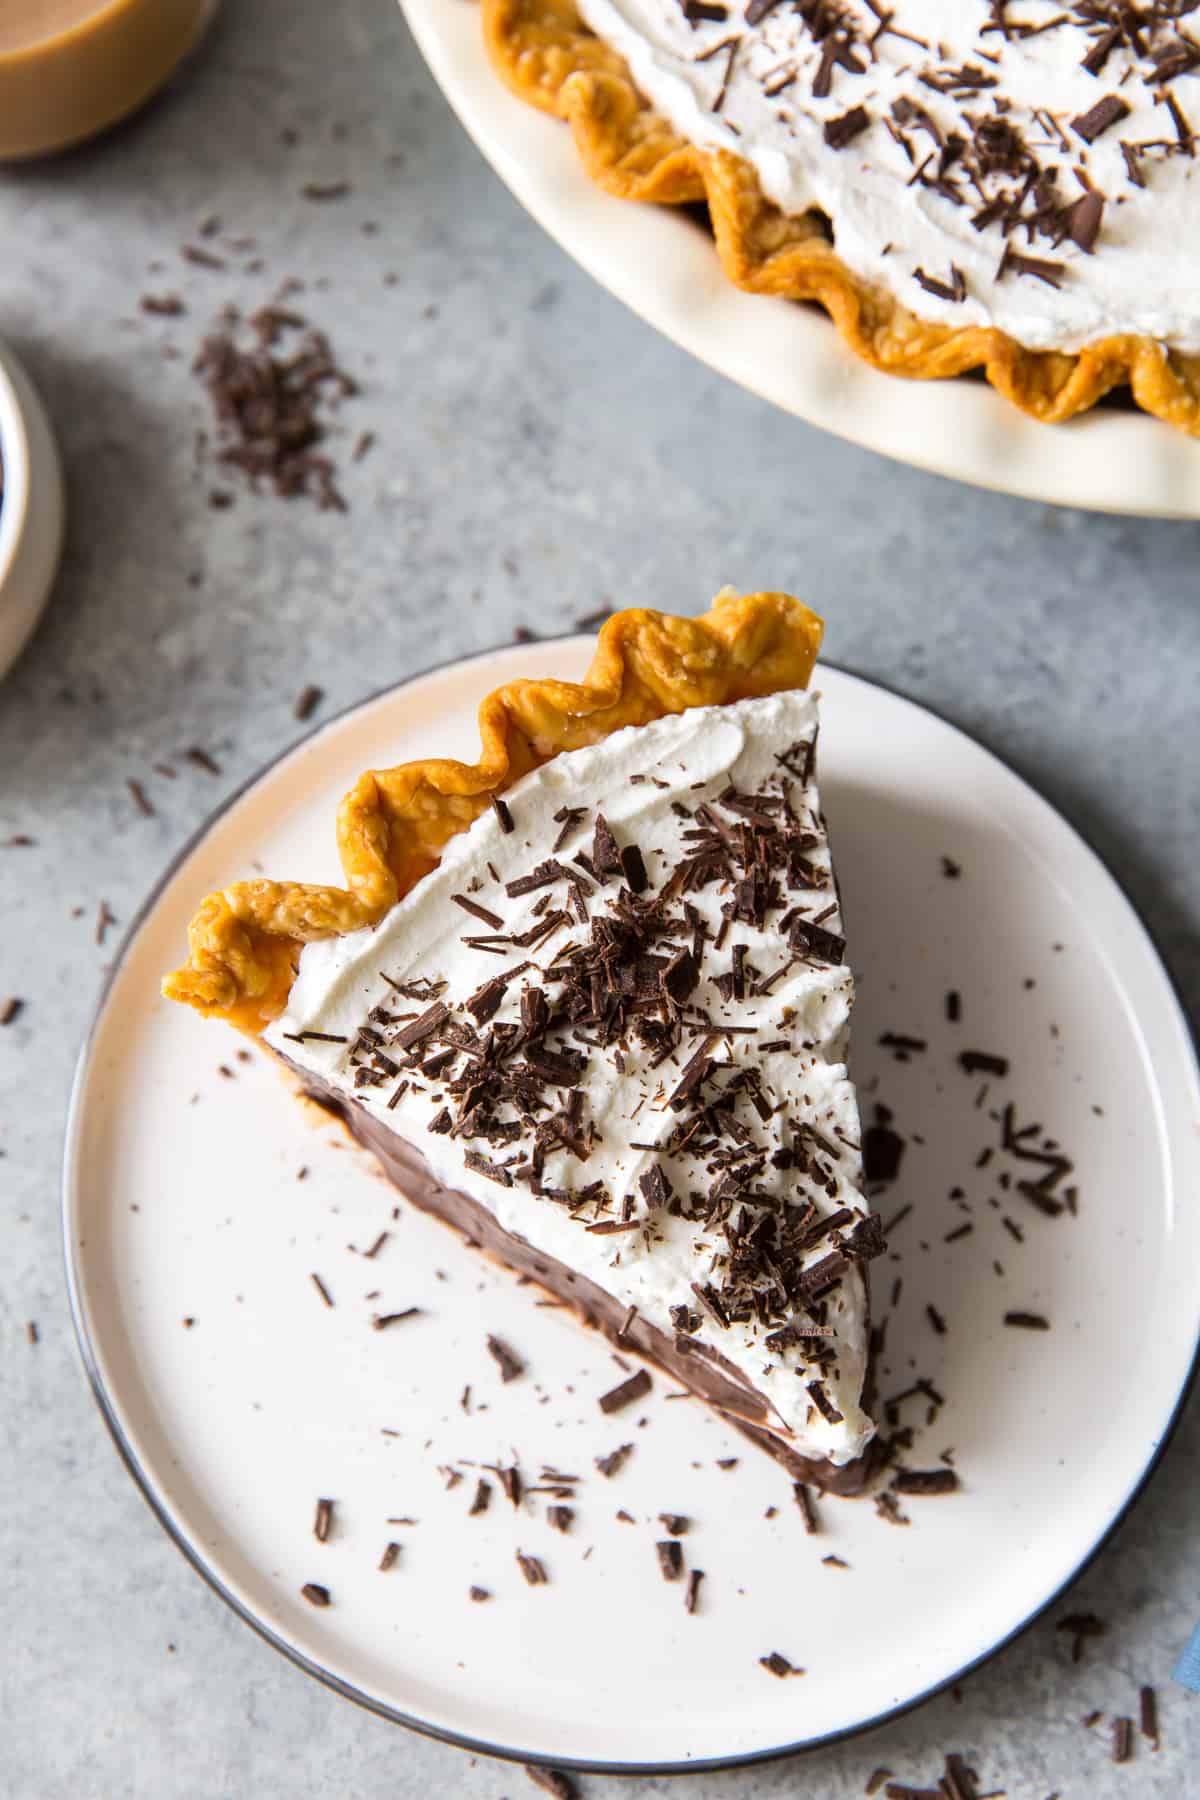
(427,1023)
(507,1361)
(625,1394)
(670,1558)
(1099,118)
(808,1510)
(925,1481)
(482,913)
(608,1465)
(776,1664)
(552,1781)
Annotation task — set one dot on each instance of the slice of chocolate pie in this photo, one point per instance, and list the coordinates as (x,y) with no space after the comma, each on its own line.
(604,1036)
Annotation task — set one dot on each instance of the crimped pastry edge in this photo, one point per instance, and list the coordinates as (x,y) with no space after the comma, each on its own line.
(244,941)
(550,59)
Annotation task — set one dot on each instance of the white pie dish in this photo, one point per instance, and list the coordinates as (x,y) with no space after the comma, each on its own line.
(665,268)
(178,1209)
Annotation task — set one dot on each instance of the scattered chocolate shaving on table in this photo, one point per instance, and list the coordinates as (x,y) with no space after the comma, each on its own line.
(323,1521)
(560,1518)
(835,1562)
(532,1569)
(479,1594)
(626,1392)
(381,1321)
(166,306)
(670,1558)
(982,1062)
(31,1332)
(675,1523)
(935,1319)
(325,190)
(391,1553)
(1122,1740)
(1079,1627)
(202,259)
(950,869)
(11,1010)
(201,758)
(1027,1321)
(777,1664)
(307,701)
(876,1780)
(271,408)
(691,1598)
(483,1495)
(506,1360)
(1148,1715)
(552,1781)
(326,1296)
(315,1594)
(104,918)
(140,798)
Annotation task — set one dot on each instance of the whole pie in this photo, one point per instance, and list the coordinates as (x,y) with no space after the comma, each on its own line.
(587,1001)
(1003,185)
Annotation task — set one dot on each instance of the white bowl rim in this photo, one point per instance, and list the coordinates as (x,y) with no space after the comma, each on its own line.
(15,461)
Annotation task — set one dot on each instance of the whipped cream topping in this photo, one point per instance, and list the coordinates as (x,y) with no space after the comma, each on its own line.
(1027,165)
(669,1111)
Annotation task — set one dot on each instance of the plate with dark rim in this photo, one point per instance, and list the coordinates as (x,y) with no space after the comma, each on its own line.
(663,265)
(200,1200)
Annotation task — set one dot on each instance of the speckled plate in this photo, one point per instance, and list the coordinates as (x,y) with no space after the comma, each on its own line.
(664,266)
(238,1398)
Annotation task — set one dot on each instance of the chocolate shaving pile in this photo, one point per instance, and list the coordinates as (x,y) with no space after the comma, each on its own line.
(628,956)
(271,408)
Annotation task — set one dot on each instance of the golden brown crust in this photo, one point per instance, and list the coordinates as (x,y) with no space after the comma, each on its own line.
(549,58)
(394,823)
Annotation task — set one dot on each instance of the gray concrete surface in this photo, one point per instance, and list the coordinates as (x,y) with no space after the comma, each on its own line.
(540,451)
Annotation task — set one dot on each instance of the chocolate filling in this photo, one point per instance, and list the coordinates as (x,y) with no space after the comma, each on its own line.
(703,1371)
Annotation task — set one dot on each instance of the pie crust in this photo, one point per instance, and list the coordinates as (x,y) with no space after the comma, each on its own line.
(549,58)
(245,940)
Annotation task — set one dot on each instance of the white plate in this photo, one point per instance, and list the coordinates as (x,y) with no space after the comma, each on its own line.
(182,1202)
(665,267)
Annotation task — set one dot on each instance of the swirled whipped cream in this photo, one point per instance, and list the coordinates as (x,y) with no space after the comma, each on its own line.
(1028,165)
(615,1016)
